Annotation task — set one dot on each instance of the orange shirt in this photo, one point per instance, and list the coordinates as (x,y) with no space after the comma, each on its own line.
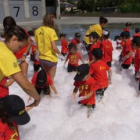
(74,58)
(107,49)
(48,82)
(84,88)
(137,60)
(126,49)
(99,72)
(8,134)
(64,45)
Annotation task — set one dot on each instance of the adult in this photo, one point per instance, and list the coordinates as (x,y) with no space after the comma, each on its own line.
(21,54)
(46,38)
(98,28)
(15,39)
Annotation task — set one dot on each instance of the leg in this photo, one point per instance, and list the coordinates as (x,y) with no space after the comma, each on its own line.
(51,71)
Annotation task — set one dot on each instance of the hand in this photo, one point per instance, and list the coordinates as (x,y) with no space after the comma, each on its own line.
(61,57)
(36,102)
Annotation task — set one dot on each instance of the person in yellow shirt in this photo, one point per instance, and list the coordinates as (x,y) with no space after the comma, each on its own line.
(15,39)
(98,28)
(46,38)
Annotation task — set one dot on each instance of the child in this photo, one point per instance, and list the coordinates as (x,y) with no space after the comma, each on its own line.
(64,44)
(4,87)
(99,69)
(86,86)
(76,40)
(136,45)
(12,113)
(126,54)
(73,57)
(127,27)
(93,37)
(107,48)
(137,30)
(42,82)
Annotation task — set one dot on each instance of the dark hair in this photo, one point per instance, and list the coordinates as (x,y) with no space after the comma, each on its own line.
(137,30)
(8,23)
(125,34)
(103,20)
(97,53)
(107,36)
(136,41)
(18,32)
(4,117)
(72,46)
(48,20)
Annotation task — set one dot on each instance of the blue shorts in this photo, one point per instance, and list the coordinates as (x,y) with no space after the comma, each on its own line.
(46,63)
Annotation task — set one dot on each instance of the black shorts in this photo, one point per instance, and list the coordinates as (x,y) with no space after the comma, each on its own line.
(64,54)
(71,68)
(125,66)
(100,92)
(109,64)
(46,90)
(93,106)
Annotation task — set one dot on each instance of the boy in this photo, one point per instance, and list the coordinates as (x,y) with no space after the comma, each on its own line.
(86,86)
(73,57)
(64,44)
(76,40)
(127,27)
(137,30)
(93,37)
(99,69)
(107,48)
(126,54)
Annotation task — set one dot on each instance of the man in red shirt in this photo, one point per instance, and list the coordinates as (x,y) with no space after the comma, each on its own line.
(107,48)
(86,86)
(99,69)
(137,30)
(76,40)
(64,44)
(126,54)
(127,27)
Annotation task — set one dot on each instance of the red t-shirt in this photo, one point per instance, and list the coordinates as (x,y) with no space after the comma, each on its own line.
(48,82)
(76,42)
(3,90)
(64,45)
(99,72)
(136,34)
(93,46)
(8,134)
(20,53)
(137,60)
(84,88)
(126,30)
(74,59)
(107,49)
(126,49)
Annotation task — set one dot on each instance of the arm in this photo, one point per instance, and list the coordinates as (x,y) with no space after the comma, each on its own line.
(9,83)
(82,61)
(88,95)
(55,48)
(66,61)
(109,75)
(26,86)
(54,89)
(74,93)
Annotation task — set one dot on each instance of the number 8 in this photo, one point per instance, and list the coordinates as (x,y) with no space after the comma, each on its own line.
(35,10)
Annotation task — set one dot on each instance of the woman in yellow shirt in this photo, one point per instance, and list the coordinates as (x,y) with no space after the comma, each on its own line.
(15,39)
(46,38)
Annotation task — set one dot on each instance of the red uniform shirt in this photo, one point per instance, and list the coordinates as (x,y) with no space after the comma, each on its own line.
(64,45)
(137,60)
(99,71)
(3,90)
(84,88)
(8,134)
(107,49)
(126,49)
(126,30)
(76,42)
(93,46)
(48,82)
(74,59)
(136,34)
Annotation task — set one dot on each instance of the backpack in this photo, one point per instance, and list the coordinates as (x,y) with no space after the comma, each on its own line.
(41,78)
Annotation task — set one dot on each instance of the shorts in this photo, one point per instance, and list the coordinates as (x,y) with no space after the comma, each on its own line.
(125,66)
(46,63)
(46,90)
(100,92)
(71,68)
(109,64)
(64,54)
(88,106)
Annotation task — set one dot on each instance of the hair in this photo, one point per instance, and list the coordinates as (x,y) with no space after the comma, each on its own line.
(4,117)
(48,20)
(106,36)
(136,41)
(97,53)
(103,20)
(18,32)
(125,35)
(72,46)
(137,30)
(8,23)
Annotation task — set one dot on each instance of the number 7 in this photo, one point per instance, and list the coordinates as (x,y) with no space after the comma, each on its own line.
(18,8)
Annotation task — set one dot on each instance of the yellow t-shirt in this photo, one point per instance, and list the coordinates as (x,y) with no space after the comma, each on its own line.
(94,28)
(43,37)
(8,62)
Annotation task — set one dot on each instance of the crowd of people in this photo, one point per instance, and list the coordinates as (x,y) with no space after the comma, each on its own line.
(18,47)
